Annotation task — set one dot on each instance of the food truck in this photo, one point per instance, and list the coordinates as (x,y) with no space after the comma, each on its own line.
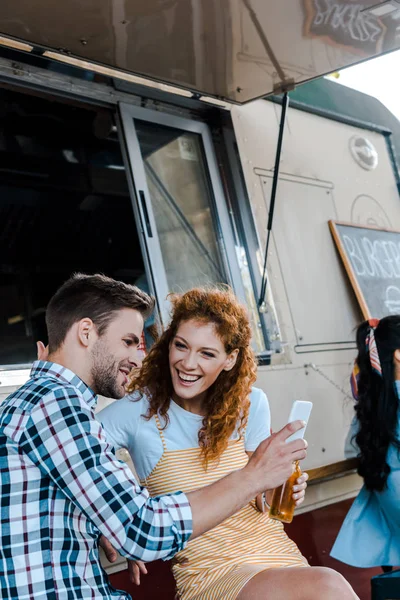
(174,143)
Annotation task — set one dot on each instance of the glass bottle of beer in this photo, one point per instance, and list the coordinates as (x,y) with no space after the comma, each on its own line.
(283,503)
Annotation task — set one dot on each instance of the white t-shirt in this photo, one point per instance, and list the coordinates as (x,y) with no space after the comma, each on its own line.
(126,427)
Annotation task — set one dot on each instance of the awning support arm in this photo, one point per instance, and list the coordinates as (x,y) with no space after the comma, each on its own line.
(285,103)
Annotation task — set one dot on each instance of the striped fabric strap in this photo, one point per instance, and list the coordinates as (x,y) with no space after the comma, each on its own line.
(372,350)
(372,347)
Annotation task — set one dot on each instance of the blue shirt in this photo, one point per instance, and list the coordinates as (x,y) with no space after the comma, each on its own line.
(61,487)
(370,534)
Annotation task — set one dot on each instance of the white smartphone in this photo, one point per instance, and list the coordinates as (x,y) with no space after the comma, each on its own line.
(301,410)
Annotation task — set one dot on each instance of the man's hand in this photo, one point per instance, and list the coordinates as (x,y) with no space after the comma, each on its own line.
(135,567)
(109,550)
(271,464)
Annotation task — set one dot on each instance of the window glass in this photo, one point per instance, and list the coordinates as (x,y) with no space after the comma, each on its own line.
(182,207)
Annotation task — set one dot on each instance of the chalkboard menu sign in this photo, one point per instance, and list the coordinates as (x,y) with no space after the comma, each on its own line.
(372,261)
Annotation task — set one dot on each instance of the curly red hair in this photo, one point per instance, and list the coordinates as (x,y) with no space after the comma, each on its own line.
(227,403)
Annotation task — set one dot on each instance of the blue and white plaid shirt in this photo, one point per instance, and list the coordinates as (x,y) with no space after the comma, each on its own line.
(61,487)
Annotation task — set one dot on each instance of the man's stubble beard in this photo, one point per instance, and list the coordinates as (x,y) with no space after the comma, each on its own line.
(105,372)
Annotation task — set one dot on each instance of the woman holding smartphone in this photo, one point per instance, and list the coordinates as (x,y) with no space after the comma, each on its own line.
(192,416)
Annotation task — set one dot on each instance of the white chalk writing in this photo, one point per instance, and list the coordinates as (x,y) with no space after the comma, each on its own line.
(346,19)
(392,301)
(373,258)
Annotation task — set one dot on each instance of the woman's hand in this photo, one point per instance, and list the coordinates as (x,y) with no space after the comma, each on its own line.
(299,489)
(135,567)
(299,492)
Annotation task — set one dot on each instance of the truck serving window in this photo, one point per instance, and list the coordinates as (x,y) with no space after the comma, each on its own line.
(64,207)
(67,204)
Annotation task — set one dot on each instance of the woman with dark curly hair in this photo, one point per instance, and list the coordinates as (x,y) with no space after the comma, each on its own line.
(370,535)
(192,417)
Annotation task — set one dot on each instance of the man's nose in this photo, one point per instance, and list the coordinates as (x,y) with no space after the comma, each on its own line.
(136,358)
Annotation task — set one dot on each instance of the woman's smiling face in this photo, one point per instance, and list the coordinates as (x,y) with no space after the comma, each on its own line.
(196,358)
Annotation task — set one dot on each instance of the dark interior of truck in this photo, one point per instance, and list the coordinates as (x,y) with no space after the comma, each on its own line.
(64,207)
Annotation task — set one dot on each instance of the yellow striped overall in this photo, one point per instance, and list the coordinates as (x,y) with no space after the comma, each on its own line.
(218,564)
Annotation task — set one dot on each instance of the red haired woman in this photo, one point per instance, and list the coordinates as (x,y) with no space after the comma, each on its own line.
(192,416)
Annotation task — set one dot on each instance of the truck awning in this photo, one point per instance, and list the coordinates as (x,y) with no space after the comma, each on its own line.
(234,50)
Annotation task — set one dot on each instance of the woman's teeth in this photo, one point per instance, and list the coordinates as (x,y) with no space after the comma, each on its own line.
(188,378)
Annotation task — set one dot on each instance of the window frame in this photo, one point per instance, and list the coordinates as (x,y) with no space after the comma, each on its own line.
(218,204)
(248,238)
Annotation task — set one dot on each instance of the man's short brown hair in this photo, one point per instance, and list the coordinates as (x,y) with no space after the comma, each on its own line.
(96,297)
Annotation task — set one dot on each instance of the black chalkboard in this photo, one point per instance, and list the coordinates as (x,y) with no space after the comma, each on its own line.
(372,260)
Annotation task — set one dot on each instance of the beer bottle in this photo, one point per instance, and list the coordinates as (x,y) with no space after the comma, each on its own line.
(283,503)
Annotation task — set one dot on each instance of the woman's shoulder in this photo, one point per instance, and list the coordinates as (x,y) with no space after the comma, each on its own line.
(131,405)
(259,405)
(137,397)
(258,398)
(136,402)
(121,418)
(259,420)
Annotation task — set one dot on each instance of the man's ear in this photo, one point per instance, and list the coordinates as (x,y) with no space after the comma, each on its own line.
(231,360)
(396,357)
(86,332)
(42,351)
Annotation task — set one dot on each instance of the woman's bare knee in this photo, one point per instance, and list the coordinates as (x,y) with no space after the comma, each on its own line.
(310,583)
(332,584)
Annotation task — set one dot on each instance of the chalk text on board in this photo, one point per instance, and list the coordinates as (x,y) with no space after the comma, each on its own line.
(374,259)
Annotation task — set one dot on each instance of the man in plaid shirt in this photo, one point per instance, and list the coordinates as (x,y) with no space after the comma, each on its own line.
(61,487)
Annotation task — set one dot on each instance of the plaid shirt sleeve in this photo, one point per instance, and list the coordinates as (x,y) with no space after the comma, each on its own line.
(64,440)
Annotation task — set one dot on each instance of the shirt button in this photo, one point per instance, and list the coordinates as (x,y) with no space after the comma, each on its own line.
(123,455)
